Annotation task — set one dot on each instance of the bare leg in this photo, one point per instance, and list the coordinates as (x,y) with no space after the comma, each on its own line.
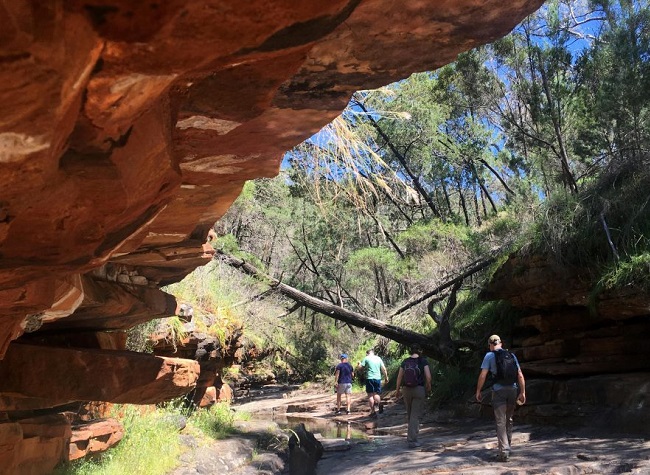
(371,402)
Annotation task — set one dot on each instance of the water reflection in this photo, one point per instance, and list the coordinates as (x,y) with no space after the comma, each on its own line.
(328,429)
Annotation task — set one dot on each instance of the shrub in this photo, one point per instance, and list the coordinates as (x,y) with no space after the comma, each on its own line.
(216,421)
(633,271)
(449,384)
(150,446)
(604,220)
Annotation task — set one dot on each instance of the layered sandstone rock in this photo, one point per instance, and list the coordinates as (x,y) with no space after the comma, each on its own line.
(570,329)
(35,445)
(128,129)
(95,437)
(211,353)
(54,377)
(586,351)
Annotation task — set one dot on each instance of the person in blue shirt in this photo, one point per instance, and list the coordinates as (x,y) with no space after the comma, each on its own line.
(504,397)
(343,377)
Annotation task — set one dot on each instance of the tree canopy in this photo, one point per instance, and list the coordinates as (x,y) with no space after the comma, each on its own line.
(384,213)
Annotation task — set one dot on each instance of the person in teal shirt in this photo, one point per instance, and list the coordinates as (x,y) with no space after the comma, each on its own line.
(374,367)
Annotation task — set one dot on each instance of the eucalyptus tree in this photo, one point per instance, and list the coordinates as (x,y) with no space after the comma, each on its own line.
(472,139)
(616,75)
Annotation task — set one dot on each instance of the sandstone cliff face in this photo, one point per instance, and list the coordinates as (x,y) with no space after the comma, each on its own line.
(127,130)
(588,351)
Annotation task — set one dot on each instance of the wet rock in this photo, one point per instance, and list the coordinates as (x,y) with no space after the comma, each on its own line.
(304,452)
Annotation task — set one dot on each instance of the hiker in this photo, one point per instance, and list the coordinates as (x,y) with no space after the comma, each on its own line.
(373,366)
(509,389)
(414,380)
(343,377)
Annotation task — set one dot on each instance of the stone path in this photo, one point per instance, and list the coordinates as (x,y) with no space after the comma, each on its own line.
(449,446)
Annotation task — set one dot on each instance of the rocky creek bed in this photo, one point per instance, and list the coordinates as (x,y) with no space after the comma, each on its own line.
(356,444)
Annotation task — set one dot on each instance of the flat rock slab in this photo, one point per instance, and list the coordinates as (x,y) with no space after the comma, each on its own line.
(465,451)
(239,454)
(333,445)
(459,446)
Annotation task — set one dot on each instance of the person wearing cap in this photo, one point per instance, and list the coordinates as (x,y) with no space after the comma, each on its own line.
(343,377)
(504,397)
(374,367)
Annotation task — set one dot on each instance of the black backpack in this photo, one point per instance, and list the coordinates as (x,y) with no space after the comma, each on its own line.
(507,370)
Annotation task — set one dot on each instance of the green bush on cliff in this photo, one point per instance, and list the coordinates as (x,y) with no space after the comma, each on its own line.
(633,271)
(150,446)
(605,228)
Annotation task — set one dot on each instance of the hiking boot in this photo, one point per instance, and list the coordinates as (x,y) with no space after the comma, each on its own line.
(347,412)
(503,457)
(338,411)
(381,408)
(373,414)
(414,445)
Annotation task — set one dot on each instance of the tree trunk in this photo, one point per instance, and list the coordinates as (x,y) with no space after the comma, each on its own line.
(568,178)
(447,200)
(463,205)
(395,333)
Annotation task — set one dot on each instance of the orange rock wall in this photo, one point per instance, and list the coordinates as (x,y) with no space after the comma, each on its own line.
(128,127)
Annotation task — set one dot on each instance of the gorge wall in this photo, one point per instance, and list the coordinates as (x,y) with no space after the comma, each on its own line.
(128,128)
(585,352)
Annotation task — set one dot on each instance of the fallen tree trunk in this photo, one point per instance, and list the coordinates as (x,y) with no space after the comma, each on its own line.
(429,343)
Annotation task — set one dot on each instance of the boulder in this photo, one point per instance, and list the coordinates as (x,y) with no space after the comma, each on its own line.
(94,437)
(304,451)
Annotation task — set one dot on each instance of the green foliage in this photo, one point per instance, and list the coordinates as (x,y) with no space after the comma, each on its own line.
(475,319)
(209,295)
(217,421)
(138,337)
(634,271)
(392,363)
(363,265)
(150,446)
(369,258)
(227,243)
(174,327)
(449,384)
(313,355)
(574,228)
(419,238)
(151,443)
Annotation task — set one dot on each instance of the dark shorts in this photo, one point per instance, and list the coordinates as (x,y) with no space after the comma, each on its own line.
(373,386)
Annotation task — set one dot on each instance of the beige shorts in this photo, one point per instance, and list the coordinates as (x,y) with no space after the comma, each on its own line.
(344,388)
